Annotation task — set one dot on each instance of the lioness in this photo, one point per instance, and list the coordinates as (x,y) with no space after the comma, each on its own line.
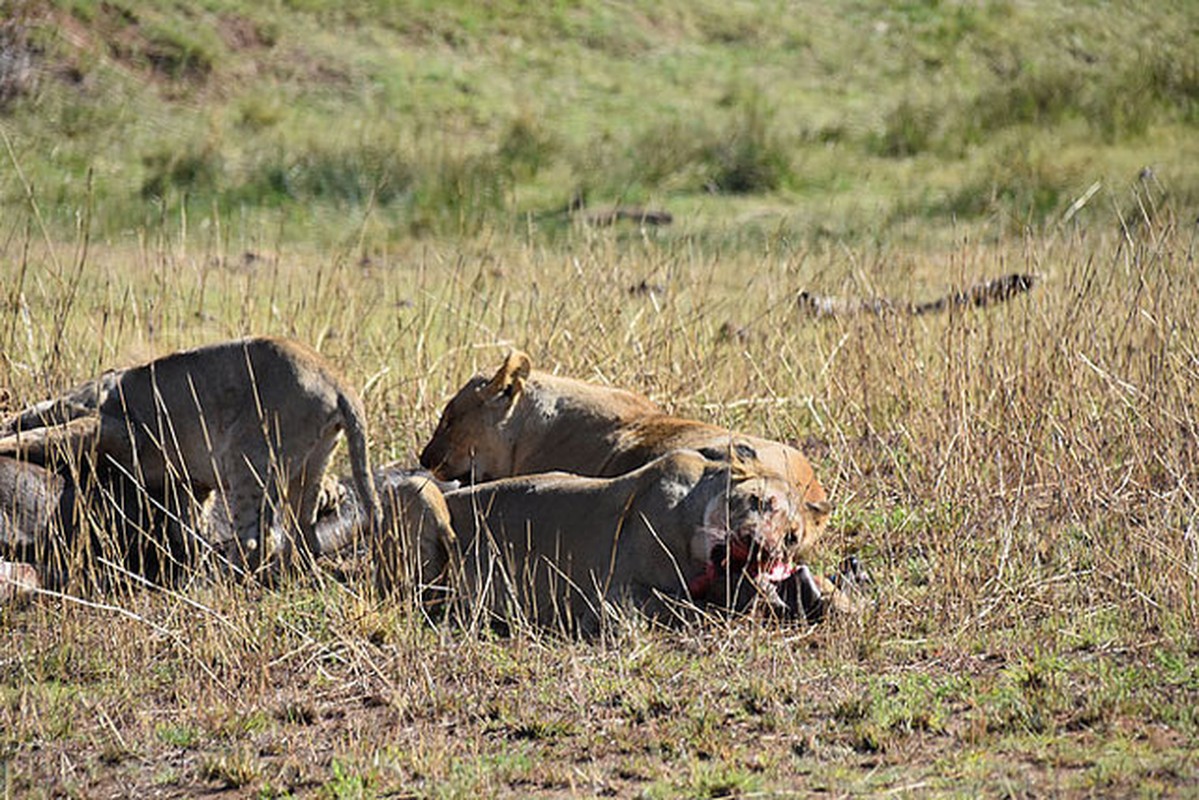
(43,513)
(254,420)
(520,421)
(561,550)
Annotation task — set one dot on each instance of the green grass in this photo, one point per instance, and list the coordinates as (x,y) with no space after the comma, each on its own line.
(445,120)
(382,180)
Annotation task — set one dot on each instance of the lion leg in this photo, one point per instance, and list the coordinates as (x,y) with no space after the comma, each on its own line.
(851,575)
(272,505)
(260,540)
(653,603)
(331,494)
(50,413)
(247,503)
(310,492)
(415,546)
(47,444)
(849,583)
(339,517)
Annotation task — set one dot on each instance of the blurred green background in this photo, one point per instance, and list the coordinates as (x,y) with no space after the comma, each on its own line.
(857,121)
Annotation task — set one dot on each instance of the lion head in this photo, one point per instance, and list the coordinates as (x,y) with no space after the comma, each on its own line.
(471,441)
(752,537)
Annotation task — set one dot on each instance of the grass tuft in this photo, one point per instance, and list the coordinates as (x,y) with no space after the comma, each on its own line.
(749,157)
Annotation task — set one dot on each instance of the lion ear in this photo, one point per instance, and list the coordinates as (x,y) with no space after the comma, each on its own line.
(820,508)
(743,461)
(509,381)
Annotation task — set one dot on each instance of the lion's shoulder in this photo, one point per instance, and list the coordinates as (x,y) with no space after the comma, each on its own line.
(567,398)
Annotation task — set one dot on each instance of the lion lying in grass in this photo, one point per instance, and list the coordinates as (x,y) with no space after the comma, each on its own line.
(521,421)
(565,551)
(56,526)
(253,421)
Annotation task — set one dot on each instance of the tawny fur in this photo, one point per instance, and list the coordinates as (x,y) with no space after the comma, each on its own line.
(520,421)
(253,420)
(555,548)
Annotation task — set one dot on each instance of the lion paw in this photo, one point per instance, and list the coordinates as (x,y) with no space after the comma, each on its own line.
(332,494)
(17,581)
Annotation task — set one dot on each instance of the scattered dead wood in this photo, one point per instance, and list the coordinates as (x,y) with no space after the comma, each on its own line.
(984,293)
(607,217)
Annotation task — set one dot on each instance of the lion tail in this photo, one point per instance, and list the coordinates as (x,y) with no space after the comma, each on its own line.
(354,422)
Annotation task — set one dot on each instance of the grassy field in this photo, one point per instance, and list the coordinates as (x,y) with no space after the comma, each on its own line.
(382,180)
(865,121)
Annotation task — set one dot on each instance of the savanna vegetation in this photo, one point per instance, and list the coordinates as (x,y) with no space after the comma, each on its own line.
(389,182)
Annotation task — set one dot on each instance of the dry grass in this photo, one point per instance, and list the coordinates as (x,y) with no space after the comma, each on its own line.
(1020,481)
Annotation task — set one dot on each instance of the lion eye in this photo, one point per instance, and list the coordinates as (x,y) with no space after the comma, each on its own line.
(761,504)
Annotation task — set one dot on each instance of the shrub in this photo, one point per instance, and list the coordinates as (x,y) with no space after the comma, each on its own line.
(668,150)
(525,147)
(181,54)
(192,168)
(908,129)
(458,194)
(327,172)
(443,193)
(1124,103)
(1036,94)
(748,157)
(1021,186)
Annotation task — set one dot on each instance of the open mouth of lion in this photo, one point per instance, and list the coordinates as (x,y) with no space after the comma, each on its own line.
(743,557)
(737,560)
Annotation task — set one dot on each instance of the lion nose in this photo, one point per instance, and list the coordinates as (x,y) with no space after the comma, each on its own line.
(426,457)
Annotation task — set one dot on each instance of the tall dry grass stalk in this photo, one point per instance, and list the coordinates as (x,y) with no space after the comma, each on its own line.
(1018,479)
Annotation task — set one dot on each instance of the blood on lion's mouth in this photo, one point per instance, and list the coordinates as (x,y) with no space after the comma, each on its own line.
(739,556)
(742,555)
(776,571)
